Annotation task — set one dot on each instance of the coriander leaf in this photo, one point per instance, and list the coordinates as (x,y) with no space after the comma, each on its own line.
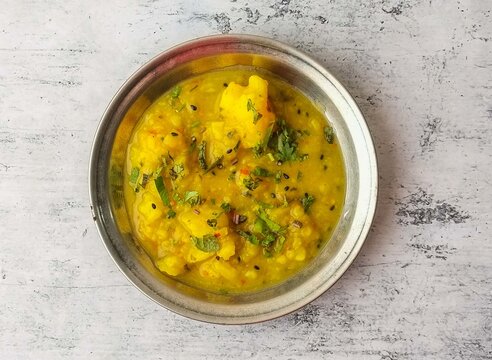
(267,253)
(250,106)
(267,136)
(284,142)
(273,226)
(260,226)
(192,198)
(268,240)
(202,161)
(264,205)
(307,201)
(278,177)
(259,171)
(286,147)
(329,134)
(249,236)
(250,183)
(207,243)
(258,150)
(161,189)
(176,171)
(226,207)
(279,244)
(176,92)
(178,198)
(171,214)
(134,175)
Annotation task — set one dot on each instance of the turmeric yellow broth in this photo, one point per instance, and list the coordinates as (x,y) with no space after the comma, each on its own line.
(233,181)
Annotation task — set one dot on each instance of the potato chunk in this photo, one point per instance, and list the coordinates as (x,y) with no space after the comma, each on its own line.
(245,109)
(171,264)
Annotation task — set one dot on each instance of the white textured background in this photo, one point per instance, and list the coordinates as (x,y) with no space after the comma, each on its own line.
(420,70)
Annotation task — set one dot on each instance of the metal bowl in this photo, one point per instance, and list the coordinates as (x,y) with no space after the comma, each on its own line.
(196,57)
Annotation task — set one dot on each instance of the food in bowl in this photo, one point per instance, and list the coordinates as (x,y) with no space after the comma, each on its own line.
(234,180)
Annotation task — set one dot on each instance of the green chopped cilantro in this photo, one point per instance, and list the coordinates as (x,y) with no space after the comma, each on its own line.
(134,175)
(250,106)
(192,198)
(273,226)
(329,134)
(278,177)
(259,171)
(207,243)
(176,91)
(251,183)
(226,207)
(171,214)
(176,171)
(202,161)
(307,201)
(249,236)
(161,189)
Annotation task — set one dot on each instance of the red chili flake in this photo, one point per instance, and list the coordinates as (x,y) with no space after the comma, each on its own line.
(196,211)
(217,235)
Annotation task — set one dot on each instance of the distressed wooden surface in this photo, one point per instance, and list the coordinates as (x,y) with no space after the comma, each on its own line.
(421,72)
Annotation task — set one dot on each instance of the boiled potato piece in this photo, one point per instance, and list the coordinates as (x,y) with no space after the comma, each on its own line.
(245,110)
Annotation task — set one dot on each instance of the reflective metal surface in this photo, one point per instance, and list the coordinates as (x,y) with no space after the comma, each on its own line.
(196,57)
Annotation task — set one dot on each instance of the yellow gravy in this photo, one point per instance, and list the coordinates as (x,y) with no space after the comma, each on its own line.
(233,181)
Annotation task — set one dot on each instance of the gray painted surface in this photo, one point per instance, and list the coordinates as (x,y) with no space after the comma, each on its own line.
(422,73)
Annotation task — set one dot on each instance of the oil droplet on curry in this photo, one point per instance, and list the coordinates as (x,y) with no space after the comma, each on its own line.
(233,181)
